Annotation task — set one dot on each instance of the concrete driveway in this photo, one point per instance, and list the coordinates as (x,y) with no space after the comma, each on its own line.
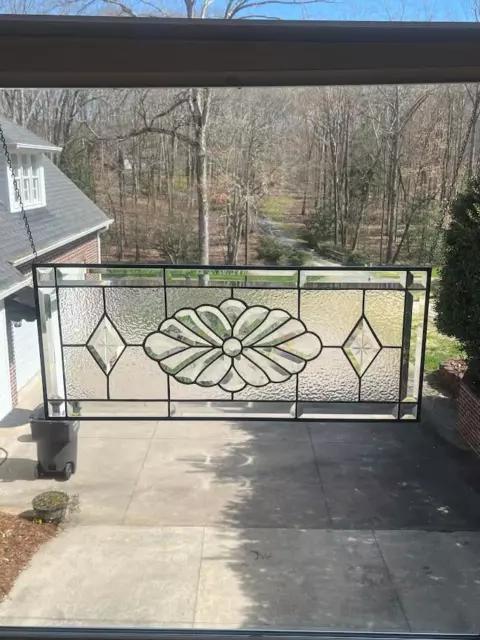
(350,526)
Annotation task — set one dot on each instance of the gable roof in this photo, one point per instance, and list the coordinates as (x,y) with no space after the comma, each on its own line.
(69,214)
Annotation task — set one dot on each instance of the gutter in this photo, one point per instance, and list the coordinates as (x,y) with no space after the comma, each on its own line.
(62,243)
(16,287)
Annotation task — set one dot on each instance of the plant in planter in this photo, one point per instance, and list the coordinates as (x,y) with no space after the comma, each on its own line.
(458,302)
(50,506)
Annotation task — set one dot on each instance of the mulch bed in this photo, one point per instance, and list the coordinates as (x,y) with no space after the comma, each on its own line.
(20,539)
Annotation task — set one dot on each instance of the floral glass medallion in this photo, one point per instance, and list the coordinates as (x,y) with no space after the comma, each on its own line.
(232,346)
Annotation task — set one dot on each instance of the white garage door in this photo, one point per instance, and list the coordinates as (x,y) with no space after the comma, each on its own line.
(27,359)
(5,394)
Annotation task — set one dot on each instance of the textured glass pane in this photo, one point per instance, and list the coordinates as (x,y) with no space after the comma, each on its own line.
(80,310)
(408,411)
(272,299)
(347,411)
(45,276)
(273,391)
(83,376)
(361,347)
(384,312)
(381,381)
(179,391)
(52,350)
(370,278)
(135,312)
(411,376)
(331,314)
(191,298)
(136,376)
(105,345)
(116,409)
(329,377)
(232,409)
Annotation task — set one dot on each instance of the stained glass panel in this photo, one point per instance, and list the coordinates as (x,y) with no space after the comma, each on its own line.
(229,343)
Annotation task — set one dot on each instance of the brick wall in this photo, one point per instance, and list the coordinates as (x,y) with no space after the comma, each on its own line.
(84,250)
(468,420)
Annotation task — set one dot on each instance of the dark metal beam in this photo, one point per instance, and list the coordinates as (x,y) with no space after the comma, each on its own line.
(41,51)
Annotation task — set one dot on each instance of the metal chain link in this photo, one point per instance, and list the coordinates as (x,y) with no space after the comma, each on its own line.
(18,195)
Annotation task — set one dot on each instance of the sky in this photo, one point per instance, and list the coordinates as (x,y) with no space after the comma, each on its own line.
(404,10)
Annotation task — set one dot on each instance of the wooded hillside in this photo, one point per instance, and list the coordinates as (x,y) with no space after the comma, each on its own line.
(187,174)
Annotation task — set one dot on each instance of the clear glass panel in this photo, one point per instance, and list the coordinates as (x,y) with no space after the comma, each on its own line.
(56,409)
(136,376)
(408,411)
(114,276)
(195,297)
(411,373)
(331,314)
(347,411)
(370,278)
(382,379)
(232,409)
(83,377)
(417,279)
(80,311)
(106,345)
(330,377)
(284,390)
(272,299)
(51,344)
(117,409)
(231,277)
(46,276)
(135,312)
(384,312)
(361,347)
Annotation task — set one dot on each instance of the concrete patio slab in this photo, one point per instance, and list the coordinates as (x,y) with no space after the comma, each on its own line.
(233,431)
(122,574)
(437,576)
(108,469)
(201,501)
(92,624)
(117,429)
(292,579)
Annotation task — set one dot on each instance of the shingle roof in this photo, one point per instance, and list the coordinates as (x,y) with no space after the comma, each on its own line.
(68,212)
(14,134)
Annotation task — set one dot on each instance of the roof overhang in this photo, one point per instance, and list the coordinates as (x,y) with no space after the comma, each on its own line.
(63,242)
(34,147)
(65,51)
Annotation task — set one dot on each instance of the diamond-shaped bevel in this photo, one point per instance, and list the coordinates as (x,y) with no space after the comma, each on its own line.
(362,346)
(106,345)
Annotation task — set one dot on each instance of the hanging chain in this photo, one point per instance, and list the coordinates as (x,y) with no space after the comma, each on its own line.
(18,195)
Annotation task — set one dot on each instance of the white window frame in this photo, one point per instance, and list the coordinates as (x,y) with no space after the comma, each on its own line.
(25,165)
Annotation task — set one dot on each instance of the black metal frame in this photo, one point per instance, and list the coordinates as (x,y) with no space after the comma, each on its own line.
(296,285)
(119,633)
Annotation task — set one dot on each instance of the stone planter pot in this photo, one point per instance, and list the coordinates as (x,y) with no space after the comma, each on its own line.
(50,506)
(468,418)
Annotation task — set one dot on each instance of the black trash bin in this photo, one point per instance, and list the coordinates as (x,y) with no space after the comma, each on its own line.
(57,444)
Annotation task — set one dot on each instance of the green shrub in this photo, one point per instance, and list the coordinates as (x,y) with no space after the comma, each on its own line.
(355,258)
(272,251)
(458,302)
